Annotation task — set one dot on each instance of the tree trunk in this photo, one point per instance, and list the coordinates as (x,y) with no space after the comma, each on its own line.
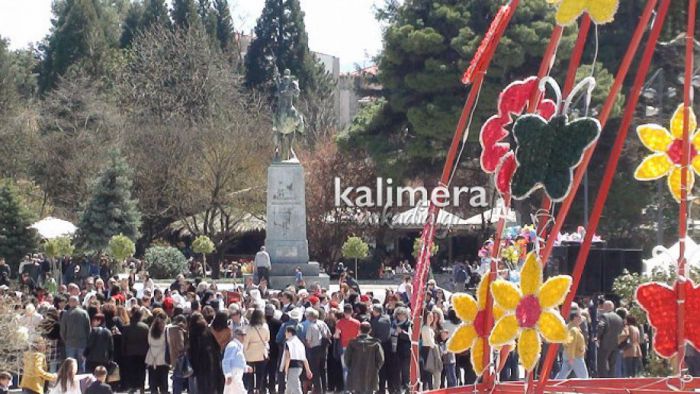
(204,266)
(357,273)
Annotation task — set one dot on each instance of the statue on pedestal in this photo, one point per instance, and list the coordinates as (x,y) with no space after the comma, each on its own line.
(287,120)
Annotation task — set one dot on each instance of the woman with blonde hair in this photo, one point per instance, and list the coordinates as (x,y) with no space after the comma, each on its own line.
(35,369)
(67,383)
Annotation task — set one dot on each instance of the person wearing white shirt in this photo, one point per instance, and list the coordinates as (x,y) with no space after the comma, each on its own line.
(294,361)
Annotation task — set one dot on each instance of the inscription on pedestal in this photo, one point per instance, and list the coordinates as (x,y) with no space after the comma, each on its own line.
(286,214)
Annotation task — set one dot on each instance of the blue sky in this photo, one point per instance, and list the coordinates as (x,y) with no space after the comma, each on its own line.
(344,28)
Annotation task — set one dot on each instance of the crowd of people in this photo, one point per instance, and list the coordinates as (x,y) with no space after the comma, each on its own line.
(121,333)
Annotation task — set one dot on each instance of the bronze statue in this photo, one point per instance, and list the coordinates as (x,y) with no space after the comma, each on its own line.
(287,121)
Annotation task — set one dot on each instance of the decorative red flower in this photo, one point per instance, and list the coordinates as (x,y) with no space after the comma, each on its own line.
(496,155)
(659,301)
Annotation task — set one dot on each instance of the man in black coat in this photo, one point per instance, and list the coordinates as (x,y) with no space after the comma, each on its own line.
(364,358)
(99,386)
(381,329)
(100,346)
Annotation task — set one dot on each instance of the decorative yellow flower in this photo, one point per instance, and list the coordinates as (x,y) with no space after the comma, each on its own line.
(471,334)
(530,311)
(601,11)
(668,151)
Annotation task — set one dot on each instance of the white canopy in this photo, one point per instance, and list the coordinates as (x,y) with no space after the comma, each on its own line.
(50,228)
(492,215)
(662,258)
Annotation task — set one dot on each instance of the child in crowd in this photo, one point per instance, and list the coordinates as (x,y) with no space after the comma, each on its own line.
(5,382)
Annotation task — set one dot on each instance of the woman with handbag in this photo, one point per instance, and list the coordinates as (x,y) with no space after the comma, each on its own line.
(630,340)
(155,358)
(256,347)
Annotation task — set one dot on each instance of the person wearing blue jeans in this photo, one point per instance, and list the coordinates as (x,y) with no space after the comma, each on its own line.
(449,360)
(75,330)
(574,350)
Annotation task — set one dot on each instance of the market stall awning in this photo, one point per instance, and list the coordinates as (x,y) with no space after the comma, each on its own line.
(663,258)
(50,228)
(492,215)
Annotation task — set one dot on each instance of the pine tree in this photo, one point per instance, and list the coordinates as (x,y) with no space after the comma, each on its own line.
(16,238)
(111,210)
(77,35)
(224,25)
(280,35)
(208,17)
(185,14)
(427,47)
(132,24)
(155,13)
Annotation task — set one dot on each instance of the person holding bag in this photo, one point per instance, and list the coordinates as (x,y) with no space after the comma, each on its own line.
(256,346)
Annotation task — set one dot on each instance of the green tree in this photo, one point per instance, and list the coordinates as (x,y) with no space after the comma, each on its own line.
(16,237)
(79,35)
(202,244)
(418,245)
(224,25)
(120,248)
(427,46)
(111,210)
(355,248)
(155,13)
(185,14)
(281,40)
(208,17)
(164,262)
(132,24)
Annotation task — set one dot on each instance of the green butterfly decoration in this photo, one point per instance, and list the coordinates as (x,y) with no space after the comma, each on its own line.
(548,152)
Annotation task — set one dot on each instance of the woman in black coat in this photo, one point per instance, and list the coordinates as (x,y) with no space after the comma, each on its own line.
(204,354)
(134,349)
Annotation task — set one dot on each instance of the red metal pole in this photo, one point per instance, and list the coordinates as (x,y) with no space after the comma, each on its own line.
(685,159)
(610,170)
(603,118)
(423,263)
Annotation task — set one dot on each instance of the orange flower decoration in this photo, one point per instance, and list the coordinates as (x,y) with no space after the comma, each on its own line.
(668,152)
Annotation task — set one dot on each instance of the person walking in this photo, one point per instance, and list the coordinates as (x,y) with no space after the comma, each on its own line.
(381,330)
(155,358)
(35,368)
(262,264)
(134,350)
(75,330)
(574,349)
(631,348)
(66,382)
(347,329)
(610,327)
(256,347)
(176,337)
(317,339)
(295,361)
(100,346)
(364,358)
(234,363)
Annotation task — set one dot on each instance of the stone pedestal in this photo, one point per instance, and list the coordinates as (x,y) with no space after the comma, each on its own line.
(285,239)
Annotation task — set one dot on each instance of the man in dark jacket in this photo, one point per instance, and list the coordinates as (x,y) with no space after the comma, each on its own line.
(610,326)
(75,330)
(381,329)
(100,346)
(363,357)
(99,386)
